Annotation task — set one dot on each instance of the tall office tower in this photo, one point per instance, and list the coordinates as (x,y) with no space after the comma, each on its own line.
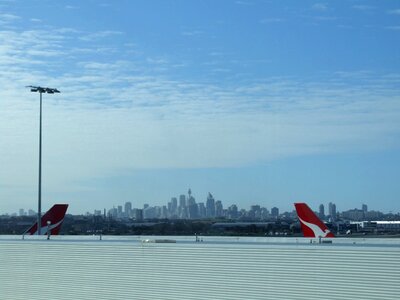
(174,206)
(275,212)
(264,213)
(113,213)
(164,212)
(232,212)
(190,201)
(321,211)
(201,209)
(193,211)
(182,201)
(119,213)
(219,209)
(365,208)
(332,211)
(191,206)
(138,214)
(128,209)
(182,211)
(169,208)
(210,206)
(255,211)
(149,212)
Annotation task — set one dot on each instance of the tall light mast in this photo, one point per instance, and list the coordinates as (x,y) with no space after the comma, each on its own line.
(41,90)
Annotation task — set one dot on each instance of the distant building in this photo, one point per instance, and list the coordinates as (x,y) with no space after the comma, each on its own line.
(201,209)
(353,214)
(182,211)
(275,212)
(119,213)
(128,209)
(332,211)
(321,211)
(219,209)
(174,206)
(149,212)
(365,208)
(264,213)
(138,214)
(21,212)
(210,206)
(232,212)
(255,211)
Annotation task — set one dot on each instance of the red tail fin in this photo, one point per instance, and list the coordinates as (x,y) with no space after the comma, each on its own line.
(311,225)
(56,217)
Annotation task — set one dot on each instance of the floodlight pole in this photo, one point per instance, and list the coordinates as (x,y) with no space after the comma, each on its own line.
(39,216)
(41,90)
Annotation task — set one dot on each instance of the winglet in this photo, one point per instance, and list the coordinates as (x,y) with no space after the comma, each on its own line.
(311,225)
(55,216)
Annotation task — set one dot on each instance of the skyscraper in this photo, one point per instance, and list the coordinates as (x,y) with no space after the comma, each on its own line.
(219,209)
(128,209)
(321,211)
(182,207)
(210,206)
(332,211)
(275,212)
(174,206)
(365,208)
(232,212)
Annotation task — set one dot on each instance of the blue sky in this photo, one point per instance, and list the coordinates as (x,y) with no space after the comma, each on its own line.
(267,102)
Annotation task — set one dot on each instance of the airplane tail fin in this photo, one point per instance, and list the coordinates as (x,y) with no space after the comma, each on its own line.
(55,216)
(311,225)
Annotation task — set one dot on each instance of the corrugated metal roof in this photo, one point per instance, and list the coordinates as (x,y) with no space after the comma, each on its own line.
(218,268)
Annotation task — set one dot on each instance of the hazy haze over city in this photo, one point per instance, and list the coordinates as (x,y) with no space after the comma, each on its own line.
(257,102)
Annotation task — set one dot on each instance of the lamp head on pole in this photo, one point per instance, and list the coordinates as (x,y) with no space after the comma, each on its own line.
(43,89)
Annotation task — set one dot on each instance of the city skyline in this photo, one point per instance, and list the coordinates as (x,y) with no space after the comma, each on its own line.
(258,102)
(185,206)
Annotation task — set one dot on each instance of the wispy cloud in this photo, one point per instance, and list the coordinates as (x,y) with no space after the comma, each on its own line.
(8,18)
(320,7)
(100,35)
(241,2)
(394,11)
(363,7)
(192,32)
(71,7)
(272,20)
(396,28)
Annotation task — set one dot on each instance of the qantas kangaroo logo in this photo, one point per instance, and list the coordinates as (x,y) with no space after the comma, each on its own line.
(318,232)
(55,217)
(311,225)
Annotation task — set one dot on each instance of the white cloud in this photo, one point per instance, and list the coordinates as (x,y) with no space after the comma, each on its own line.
(192,32)
(394,11)
(364,7)
(320,6)
(272,20)
(100,35)
(393,27)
